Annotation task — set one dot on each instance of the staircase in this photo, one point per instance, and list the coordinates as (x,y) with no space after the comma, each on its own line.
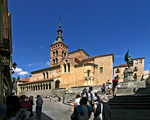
(130,107)
(130,102)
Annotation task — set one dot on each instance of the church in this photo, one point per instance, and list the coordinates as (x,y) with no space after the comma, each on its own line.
(70,69)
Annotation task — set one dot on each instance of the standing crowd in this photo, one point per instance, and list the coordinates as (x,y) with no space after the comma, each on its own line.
(89,103)
(20,108)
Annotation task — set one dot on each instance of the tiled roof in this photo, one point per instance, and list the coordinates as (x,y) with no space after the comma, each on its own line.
(122,65)
(44,80)
(24,80)
(78,51)
(92,58)
(45,69)
(138,58)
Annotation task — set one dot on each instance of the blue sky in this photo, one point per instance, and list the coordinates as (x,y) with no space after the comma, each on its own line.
(97,26)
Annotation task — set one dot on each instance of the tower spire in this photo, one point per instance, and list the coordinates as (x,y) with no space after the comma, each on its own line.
(59,21)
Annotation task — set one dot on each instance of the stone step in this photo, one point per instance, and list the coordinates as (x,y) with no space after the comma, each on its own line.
(128,107)
(128,101)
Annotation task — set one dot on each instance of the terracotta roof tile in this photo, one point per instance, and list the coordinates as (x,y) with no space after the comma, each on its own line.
(25,80)
(122,65)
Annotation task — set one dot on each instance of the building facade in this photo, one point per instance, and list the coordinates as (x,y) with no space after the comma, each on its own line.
(70,69)
(137,67)
(5,51)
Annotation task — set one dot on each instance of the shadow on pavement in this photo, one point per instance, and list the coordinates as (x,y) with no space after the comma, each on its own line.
(43,117)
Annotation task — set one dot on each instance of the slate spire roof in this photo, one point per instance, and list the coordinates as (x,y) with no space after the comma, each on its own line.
(59,33)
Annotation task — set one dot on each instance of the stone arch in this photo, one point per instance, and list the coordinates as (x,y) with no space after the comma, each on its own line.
(38,87)
(46,86)
(43,86)
(57,84)
(27,88)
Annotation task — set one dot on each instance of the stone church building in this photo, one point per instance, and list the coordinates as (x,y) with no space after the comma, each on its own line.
(69,70)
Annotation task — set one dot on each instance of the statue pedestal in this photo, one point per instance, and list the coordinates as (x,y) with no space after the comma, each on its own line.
(128,74)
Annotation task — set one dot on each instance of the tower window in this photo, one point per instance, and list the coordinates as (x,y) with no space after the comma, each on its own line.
(53,53)
(140,61)
(56,60)
(53,61)
(62,53)
(56,52)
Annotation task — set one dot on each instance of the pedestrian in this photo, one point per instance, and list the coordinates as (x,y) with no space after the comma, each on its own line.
(103,87)
(96,100)
(90,98)
(32,103)
(14,110)
(25,104)
(84,93)
(115,84)
(107,85)
(83,110)
(50,97)
(39,103)
(77,100)
(102,112)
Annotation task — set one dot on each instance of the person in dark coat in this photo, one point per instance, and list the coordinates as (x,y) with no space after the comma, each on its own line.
(32,103)
(106,113)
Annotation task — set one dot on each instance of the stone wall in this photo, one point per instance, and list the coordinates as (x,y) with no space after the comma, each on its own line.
(59,91)
(43,93)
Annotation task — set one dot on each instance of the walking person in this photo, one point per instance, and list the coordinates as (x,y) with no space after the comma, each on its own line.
(102,112)
(50,97)
(84,93)
(115,84)
(25,104)
(91,98)
(32,103)
(14,110)
(39,103)
(83,110)
(96,100)
(103,87)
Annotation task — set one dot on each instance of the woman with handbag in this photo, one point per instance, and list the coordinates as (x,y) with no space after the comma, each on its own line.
(102,111)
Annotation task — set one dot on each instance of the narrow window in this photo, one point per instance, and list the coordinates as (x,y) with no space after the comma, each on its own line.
(57,84)
(64,67)
(53,61)
(68,67)
(49,85)
(140,61)
(88,73)
(101,69)
(47,75)
(56,60)
(62,53)
(44,75)
(56,52)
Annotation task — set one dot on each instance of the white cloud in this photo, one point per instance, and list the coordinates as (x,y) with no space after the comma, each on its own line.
(29,64)
(23,73)
(118,56)
(48,63)
(19,71)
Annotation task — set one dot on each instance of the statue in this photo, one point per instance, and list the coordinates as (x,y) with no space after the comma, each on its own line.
(128,59)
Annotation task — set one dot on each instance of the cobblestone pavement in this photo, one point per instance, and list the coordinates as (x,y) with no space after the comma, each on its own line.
(54,110)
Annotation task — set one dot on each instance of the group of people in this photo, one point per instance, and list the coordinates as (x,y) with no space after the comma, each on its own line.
(20,108)
(89,103)
(111,87)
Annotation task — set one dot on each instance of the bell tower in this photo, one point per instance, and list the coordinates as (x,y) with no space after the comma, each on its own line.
(59,49)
